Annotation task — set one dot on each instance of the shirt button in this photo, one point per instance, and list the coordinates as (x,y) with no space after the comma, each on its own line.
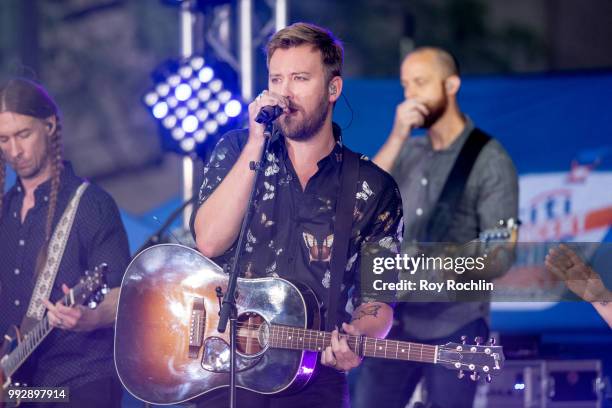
(15,214)
(46,198)
(419,211)
(19,189)
(21,242)
(17,302)
(17,271)
(424,181)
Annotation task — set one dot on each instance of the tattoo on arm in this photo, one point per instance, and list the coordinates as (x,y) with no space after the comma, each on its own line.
(370,310)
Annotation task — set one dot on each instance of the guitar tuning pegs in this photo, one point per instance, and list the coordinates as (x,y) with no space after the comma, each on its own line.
(460,374)
(464,339)
(474,376)
(488,378)
(492,341)
(478,340)
(92,304)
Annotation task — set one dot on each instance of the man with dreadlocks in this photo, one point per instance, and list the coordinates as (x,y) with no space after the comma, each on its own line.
(35,272)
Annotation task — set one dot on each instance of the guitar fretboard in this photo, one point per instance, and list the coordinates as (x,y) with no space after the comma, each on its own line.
(296,338)
(32,339)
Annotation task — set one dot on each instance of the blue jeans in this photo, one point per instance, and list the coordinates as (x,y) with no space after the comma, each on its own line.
(390,383)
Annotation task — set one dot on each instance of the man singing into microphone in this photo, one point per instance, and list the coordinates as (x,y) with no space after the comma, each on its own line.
(291,233)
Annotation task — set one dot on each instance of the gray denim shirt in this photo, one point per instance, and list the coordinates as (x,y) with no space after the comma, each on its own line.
(491,195)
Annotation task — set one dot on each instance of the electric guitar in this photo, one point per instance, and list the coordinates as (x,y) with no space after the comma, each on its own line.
(18,346)
(167,348)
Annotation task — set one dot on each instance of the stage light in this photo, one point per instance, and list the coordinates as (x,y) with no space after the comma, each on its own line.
(204,94)
(151,99)
(221,118)
(197,63)
(177,133)
(224,96)
(172,101)
(211,126)
(169,122)
(162,89)
(195,84)
(193,102)
(190,124)
(202,114)
(188,145)
(233,108)
(160,110)
(199,135)
(174,80)
(182,92)
(206,74)
(213,106)
(185,71)
(215,85)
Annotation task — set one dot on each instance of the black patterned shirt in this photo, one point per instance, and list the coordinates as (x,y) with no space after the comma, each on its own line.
(291,232)
(64,358)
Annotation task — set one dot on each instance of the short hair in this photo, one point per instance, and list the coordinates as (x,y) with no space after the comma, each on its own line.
(448,62)
(319,38)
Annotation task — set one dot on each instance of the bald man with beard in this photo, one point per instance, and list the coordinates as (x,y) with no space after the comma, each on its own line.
(421,167)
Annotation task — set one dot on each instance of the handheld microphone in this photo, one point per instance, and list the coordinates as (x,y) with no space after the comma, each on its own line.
(268,114)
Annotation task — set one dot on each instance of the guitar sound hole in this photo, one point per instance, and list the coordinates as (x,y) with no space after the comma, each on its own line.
(252,333)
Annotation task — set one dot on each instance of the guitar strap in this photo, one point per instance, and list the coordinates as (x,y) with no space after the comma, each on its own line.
(342,231)
(442,215)
(57,245)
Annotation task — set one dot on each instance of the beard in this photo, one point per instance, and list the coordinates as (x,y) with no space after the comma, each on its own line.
(436,110)
(312,123)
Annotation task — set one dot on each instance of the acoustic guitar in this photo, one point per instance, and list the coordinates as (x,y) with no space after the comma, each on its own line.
(168,349)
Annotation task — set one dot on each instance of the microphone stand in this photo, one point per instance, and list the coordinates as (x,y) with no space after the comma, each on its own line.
(228,309)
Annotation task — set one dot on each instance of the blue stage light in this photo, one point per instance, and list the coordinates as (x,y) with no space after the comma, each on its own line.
(206,74)
(160,110)
(182,92)
(233,108)
(190,124)
(193,103)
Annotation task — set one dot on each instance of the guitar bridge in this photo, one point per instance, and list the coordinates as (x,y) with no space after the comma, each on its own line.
(196,327)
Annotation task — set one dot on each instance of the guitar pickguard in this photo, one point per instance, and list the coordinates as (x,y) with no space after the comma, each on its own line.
(216,357)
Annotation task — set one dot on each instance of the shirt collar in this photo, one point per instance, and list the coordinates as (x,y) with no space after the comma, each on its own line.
(44,189)
(334,157)
(460,140)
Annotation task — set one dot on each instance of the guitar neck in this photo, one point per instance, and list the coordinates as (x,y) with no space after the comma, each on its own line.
(296,338)
(29,343)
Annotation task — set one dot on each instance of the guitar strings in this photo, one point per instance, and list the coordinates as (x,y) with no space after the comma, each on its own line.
(425,351)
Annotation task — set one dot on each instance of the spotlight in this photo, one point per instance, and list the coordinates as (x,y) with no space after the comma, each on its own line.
(182,92)
(206,74)
(190,124)
(160,110)
(233,108)
(193,102)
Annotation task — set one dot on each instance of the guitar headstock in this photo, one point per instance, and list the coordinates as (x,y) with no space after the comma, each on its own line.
(91,288)
(478,359)
(507,231)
